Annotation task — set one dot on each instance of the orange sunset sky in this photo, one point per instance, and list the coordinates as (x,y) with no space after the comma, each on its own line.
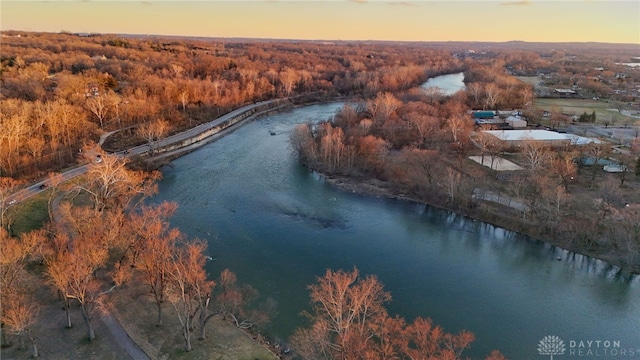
(425,20)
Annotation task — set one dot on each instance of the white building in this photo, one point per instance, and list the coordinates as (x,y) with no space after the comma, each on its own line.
(517,137)
(516,122)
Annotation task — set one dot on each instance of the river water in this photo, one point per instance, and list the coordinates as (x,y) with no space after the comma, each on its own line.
(449,84)
(278,226)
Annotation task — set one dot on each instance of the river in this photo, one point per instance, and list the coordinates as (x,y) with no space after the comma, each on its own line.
(278,226)
(449,84)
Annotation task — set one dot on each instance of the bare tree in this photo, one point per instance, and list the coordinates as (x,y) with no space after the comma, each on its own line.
(425,125)
(7,187)
(152,251)
(563,165)
(59,277)
(491,92)
(476,90)
(184,98)
(153,131)
(534,155)
(349,321)
(20,314)
(388,105)
(289,78)
(343,308)
(189,286)
(527,97)
(453,182)
(424,164)
(99,107)
(597,152)
(302,141)
(78,269)
(459,126)
(234,301)
(111,184)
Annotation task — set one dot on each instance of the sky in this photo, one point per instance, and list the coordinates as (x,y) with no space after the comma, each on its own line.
(612,21)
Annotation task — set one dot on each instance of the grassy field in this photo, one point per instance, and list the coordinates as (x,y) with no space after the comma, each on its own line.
(31,214)
(137,314)
(605,111)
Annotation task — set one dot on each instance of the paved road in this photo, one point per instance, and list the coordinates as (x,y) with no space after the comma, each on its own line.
(35,189)
(123,339)
(119,334)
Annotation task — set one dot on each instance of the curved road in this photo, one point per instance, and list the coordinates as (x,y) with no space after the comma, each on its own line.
(35,189)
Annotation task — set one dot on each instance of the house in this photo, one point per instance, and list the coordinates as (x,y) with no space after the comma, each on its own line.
(92,90)
(488,118)
(564,92)
(516,122)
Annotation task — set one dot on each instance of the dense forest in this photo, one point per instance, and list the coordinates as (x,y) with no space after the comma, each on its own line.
(62,92)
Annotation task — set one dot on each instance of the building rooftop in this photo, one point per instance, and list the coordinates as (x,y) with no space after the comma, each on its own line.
(484,114)
(540,135)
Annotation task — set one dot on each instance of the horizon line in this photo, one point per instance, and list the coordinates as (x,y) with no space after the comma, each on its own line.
(319,40)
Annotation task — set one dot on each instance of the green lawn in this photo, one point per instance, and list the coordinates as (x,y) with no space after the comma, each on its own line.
(579,106)
(30,214)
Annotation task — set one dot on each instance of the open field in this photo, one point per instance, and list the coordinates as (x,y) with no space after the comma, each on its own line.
(31,214)
(605,111)
(137,314)
(55,341)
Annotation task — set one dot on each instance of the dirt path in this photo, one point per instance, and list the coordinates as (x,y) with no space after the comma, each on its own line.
(117,334)
(122,338)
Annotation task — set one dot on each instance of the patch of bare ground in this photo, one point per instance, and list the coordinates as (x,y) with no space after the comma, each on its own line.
(122,139)
(136,311)
(56,341)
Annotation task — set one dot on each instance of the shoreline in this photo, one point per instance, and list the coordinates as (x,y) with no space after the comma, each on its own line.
(378,188)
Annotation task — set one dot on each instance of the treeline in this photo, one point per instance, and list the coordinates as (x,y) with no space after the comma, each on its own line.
(88,252)
(401,142)
(418,147)
(489,87)
(595,71)
(60,91)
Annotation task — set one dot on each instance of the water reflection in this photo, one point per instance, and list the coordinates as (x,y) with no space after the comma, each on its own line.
(447,84)
(278,227)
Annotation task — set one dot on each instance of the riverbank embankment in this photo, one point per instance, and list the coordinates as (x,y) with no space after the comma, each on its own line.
(379,188)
